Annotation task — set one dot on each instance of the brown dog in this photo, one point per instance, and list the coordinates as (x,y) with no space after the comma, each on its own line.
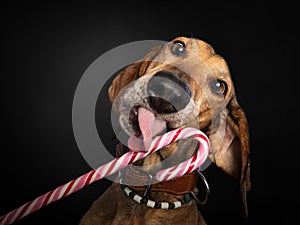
(181,84)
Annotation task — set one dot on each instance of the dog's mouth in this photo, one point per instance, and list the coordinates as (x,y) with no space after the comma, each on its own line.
(139,115)
(146,125)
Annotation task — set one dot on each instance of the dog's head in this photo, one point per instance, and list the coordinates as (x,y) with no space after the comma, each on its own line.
(184,83)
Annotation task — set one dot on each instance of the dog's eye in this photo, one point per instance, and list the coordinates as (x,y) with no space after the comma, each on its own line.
(178,48)
(218,87)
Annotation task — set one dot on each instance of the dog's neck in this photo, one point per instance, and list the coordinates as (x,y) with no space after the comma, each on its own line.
(138,181)
(162,191)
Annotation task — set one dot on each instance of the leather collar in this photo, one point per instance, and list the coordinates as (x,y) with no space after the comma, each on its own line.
(178,186)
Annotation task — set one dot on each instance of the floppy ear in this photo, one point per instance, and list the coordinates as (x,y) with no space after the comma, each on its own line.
(231,150)
(131,73)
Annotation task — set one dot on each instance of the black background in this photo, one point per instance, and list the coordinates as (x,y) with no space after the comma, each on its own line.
(46,48)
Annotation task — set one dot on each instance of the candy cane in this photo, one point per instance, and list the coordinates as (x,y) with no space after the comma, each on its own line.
(116,165)
(191,164)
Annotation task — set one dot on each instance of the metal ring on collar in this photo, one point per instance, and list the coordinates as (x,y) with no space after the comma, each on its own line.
(207,190)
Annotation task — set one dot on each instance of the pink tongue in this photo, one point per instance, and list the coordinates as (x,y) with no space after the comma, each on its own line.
(149,126)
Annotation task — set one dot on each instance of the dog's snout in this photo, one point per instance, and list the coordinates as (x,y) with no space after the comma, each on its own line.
(167,93)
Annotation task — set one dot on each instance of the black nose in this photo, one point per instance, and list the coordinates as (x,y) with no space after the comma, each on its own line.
(167,93)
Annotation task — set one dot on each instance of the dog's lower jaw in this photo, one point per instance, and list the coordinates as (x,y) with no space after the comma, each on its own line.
(168,156)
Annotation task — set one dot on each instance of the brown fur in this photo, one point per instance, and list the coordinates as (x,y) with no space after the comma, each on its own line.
(229,150)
